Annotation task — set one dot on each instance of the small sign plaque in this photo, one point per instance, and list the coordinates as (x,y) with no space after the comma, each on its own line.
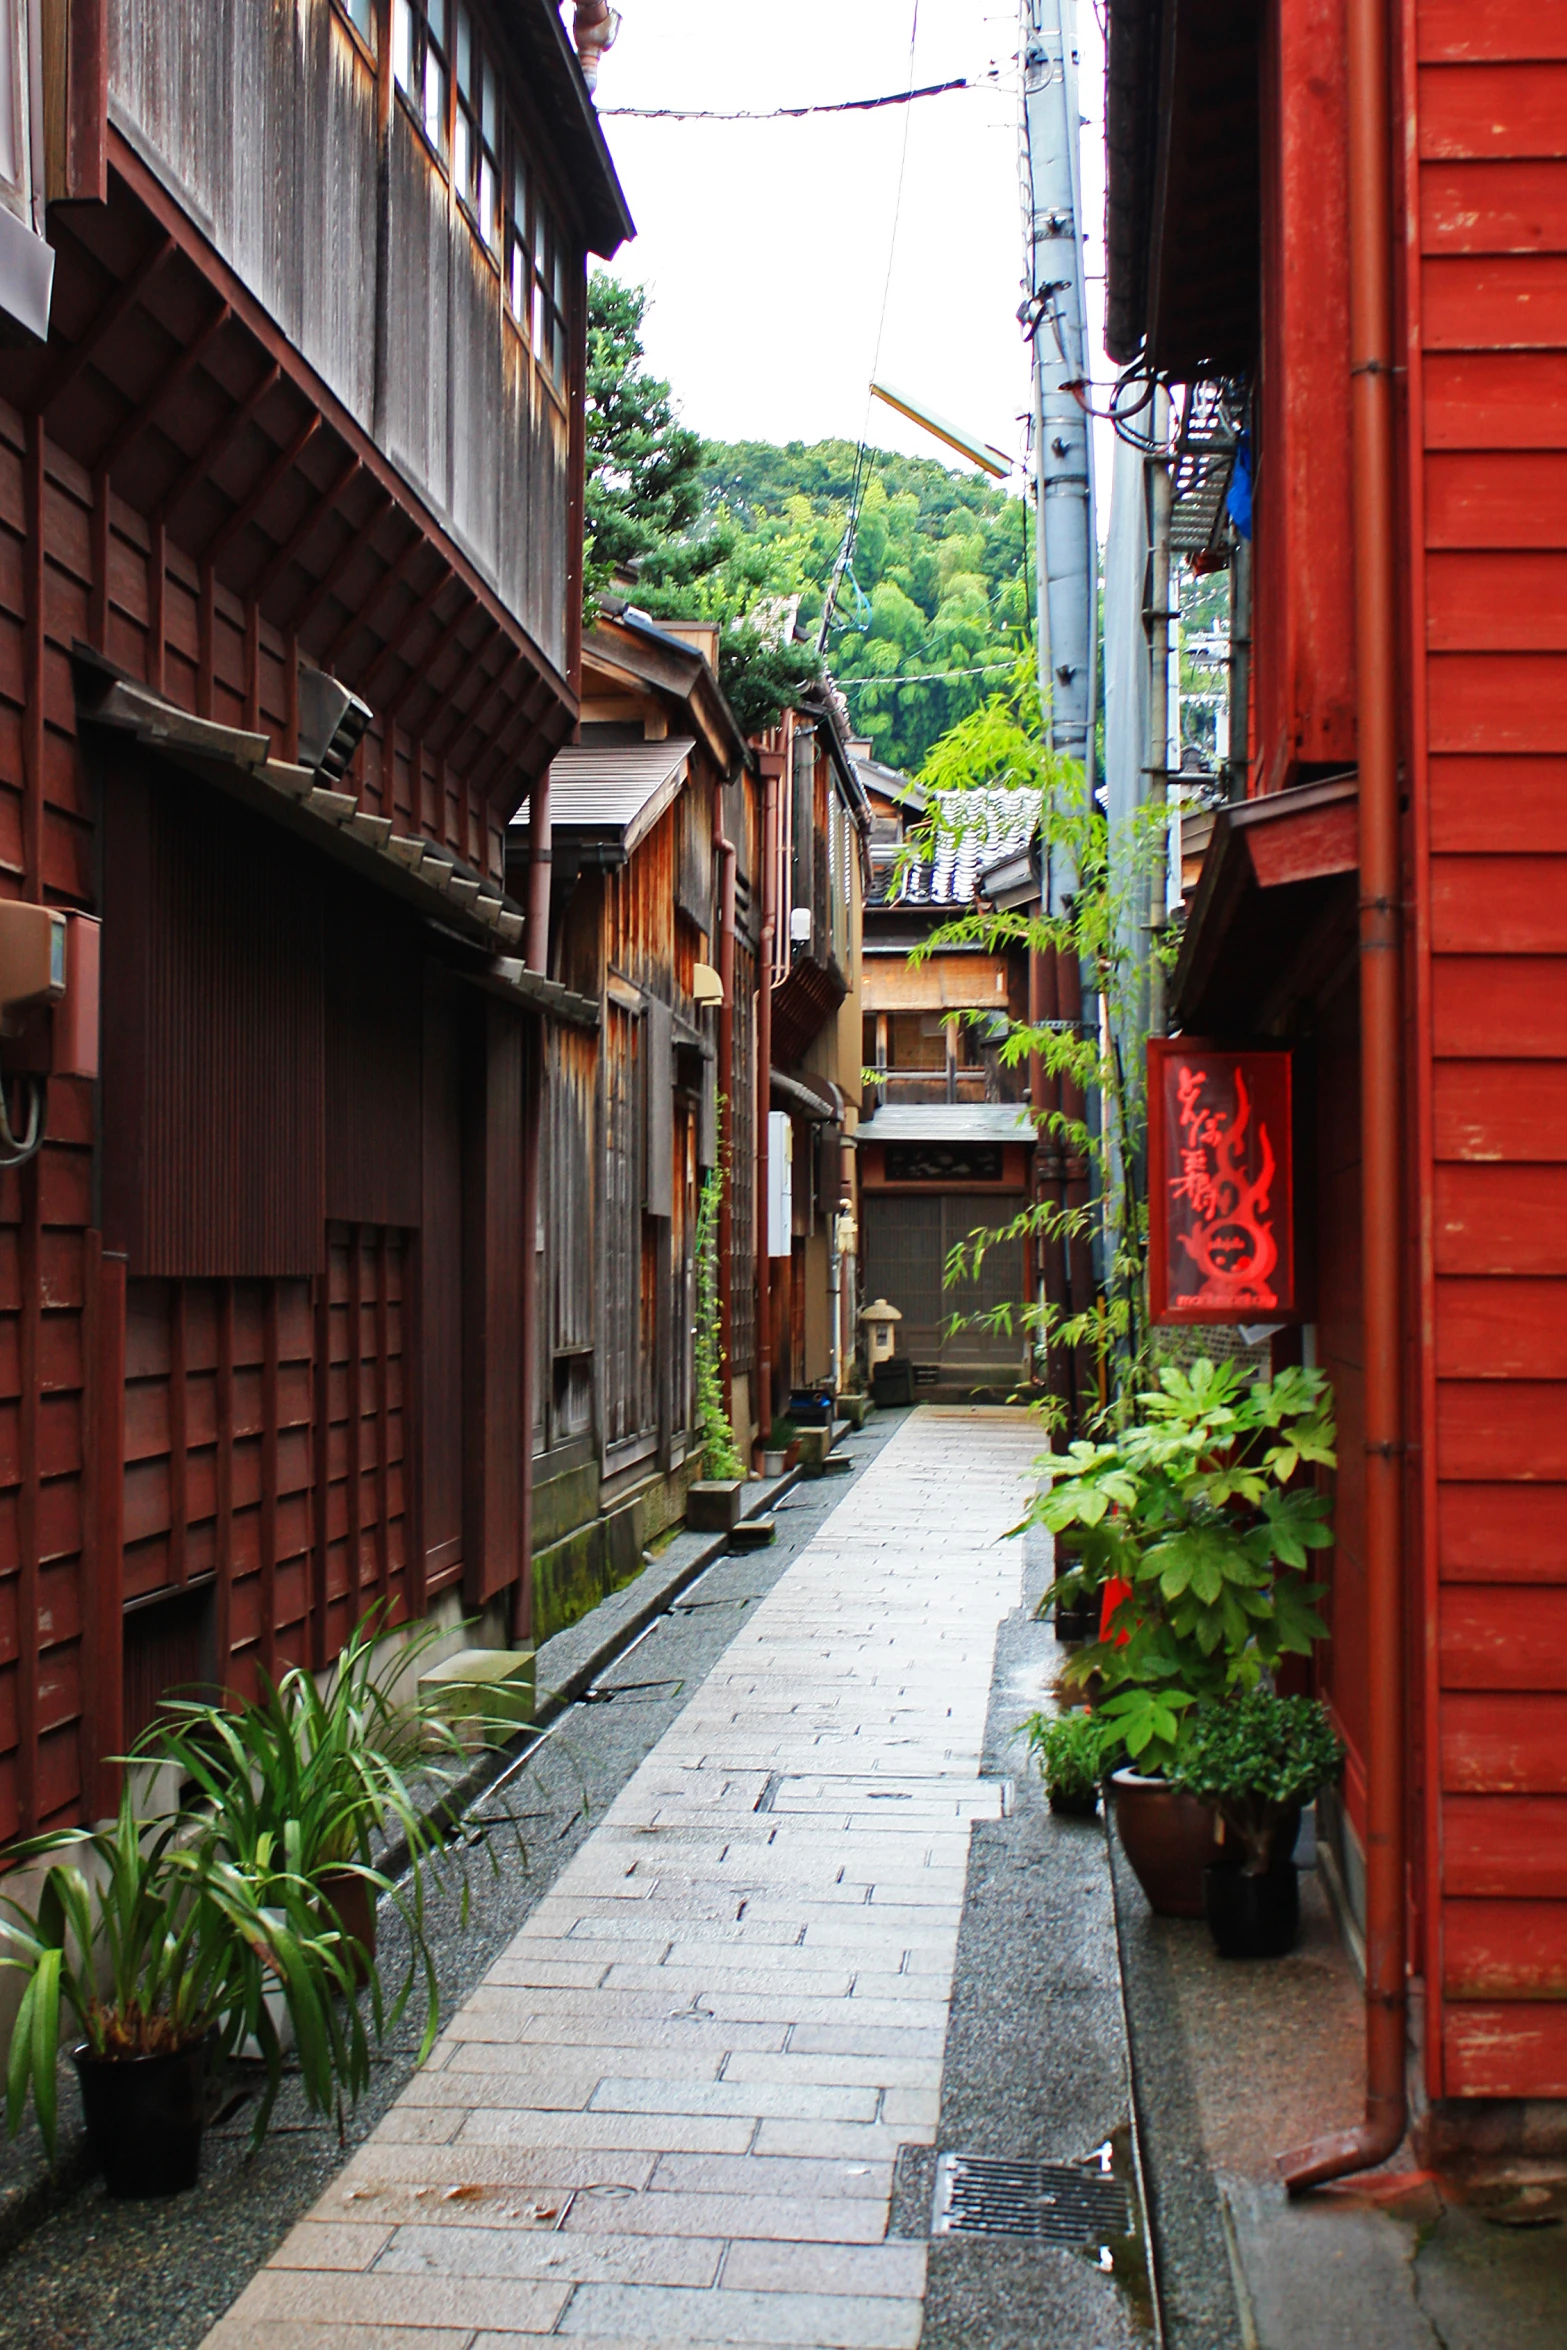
(1221,1192)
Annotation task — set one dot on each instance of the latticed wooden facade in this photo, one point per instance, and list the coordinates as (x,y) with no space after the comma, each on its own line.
(309,410)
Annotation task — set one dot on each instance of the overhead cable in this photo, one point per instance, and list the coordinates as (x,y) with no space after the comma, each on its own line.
(966,81)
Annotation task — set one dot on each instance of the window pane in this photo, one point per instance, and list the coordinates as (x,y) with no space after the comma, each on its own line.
(462,158)
(560,349)
(435,18)
(435,98)
(491,119)
(403,43)
(518,286)
(361,15)
(488,208)
(464,53)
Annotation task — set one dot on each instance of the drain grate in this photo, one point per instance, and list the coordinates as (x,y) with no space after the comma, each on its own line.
(1052,2202)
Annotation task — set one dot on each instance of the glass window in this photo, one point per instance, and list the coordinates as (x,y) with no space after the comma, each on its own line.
(361,15)
(519,276)
(419,62)
(475,166)
(537,272)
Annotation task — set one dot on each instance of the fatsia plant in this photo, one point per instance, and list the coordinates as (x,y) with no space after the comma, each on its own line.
(152,1939)
(1195,1508)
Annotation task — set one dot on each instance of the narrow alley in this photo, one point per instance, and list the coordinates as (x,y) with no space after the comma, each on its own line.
(672,2111)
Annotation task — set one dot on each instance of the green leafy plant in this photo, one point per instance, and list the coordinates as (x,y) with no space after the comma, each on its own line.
(1256,1757)
(311,1784)
(1097,922)
(1194,1506)
(150,1936)
(1070,1750)
(720,1454)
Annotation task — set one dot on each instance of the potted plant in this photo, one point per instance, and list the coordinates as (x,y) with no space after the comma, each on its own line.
(1070,1751)
(1197,1519)
(782,1450)
(1257,1758)
(163,1953)
(331,1777)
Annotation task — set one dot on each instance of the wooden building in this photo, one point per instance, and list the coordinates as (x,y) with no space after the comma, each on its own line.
(1390,900)
(816,822)
(950,1148)
(655,851)
(291,502)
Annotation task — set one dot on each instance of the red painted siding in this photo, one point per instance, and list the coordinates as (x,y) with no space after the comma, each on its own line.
(1487,296)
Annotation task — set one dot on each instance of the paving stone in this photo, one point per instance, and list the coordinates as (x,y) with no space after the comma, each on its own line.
(671,2112)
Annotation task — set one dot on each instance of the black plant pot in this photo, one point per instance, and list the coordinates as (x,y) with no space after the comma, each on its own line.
(1077,1623)
(1074,1806)
(144,2118)
(1253,1917)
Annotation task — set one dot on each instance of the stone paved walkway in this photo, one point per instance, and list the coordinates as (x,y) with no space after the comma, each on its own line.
(671,2111)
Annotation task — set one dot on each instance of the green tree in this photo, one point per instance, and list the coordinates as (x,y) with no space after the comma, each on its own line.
(643,466)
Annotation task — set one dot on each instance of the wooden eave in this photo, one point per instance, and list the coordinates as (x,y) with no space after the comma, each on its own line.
(637,661)
(165,377)
(1268,914)
(473,920)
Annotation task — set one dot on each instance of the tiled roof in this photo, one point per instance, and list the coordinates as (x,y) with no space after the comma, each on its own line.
(947,1122)
(975,830)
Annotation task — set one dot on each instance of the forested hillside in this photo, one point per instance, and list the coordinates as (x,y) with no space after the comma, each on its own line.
(937,583)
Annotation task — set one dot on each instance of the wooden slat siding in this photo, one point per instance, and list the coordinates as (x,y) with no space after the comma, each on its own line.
(1477,999)
(1488,1533)
(1496,2050)
(570,1213)
(360,1436)
(1497,602)
(1501,1110)
(621,1227)
(439,1352)
(1519,1748)
(492,1313)
(1506,1848)
(1501,1329)
(1504,1950)
(740,1155)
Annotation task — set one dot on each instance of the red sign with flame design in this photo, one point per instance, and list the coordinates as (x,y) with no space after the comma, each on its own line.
(1220,1184)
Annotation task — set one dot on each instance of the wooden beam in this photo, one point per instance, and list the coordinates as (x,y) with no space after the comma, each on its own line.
(392,577)
(137,422)
(392,648)
(320,506)
(423,674)
(216,442)
(107,317)
(342,563)
(246,511)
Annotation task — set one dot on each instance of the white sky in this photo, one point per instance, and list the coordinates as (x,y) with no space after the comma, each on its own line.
(765,246)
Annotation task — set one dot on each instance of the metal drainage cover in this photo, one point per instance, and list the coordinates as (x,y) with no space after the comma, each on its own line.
(1053,2202)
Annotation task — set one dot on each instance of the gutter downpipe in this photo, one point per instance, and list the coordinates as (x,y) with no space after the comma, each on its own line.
(536,955)
(772,769)
(1372,378)
(726,853)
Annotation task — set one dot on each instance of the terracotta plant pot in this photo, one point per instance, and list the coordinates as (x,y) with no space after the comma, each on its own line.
(1074,1807)
(350,1905)
(145,2116)
(1253,1917)
(1169,1839)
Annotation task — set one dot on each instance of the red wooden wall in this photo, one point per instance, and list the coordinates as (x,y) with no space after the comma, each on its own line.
(1304,710)
(1485,88)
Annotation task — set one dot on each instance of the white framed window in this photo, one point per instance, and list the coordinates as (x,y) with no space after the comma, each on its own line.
(421,62)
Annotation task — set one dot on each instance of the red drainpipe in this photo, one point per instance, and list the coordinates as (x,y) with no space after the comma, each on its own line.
(724,850)
(772,769)
(536,955)
(1372,361)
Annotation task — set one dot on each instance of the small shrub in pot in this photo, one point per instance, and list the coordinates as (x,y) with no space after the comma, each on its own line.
(1257,1758)
(1070,1750)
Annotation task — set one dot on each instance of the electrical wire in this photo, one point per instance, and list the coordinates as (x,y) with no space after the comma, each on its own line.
(930,676)
(857,487)
(968,81)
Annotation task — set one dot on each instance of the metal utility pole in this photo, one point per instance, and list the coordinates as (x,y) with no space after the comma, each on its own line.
(1053,240)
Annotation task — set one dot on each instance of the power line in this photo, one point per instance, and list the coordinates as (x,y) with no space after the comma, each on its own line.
(927,676)
(796,113)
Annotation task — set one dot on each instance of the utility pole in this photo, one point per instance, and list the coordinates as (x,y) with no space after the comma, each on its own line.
(1054,313)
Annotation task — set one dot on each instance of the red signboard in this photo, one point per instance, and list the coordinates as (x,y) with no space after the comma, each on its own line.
(1221,1194)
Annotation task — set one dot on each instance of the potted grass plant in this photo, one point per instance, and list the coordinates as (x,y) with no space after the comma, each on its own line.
(332,1777)
(1069,1749)
(163,1953)
(1203,1527)
(1256,1759)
